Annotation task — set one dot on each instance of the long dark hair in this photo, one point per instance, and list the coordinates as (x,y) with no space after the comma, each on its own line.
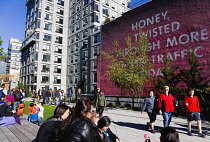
(60,110)
(169,134)
(82,107)
(104,121)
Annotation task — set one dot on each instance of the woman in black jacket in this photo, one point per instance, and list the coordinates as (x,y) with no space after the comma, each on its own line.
(47,131)
(78,129)
(6,108)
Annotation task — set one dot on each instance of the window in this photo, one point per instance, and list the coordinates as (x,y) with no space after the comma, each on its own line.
(49,7)
(85,44)
(57,79)
(105,10)
(58,39)
(46,58)
(96,38)
(61,2)
(48,16)
(77,36)
(45,79)
(48,26)
(60,11)
(58,49)
(59,29)
(96,17)
(85,21)
(86,2)
(38,14)
(85,33)
(47,37)
(85,11)
(57,69)
(46,47)
(45,68)
(84,55)
(59,20)
(77,26)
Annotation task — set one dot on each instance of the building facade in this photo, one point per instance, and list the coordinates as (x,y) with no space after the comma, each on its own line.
(44,50)
(85,19)
(62,42)
(13,59)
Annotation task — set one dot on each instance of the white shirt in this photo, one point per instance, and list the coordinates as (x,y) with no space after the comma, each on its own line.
(41,111)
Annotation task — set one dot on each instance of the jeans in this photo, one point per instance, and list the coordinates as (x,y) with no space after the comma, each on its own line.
(57,100)
(69,100)
(40,120)
(167,118)
(47,100)
(15,104)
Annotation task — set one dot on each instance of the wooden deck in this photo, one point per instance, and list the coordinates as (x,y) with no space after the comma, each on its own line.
(26,132)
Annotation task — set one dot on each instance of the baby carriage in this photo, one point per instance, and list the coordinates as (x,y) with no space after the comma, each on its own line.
(20,109)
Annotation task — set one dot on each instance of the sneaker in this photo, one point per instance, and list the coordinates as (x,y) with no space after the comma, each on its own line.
(148,126)
(152,131)
(201,135)
(190,134)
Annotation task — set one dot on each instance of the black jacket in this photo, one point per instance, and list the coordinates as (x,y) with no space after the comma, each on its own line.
(47,131)
(78,131)
(5,110)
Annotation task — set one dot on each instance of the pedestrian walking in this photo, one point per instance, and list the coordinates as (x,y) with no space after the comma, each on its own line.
(150,106)
(69,95)
(79,95)
(100,103)
(166,104)
(57,97)
(193,112)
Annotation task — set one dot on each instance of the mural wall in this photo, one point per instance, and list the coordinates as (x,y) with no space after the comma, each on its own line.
(173,26)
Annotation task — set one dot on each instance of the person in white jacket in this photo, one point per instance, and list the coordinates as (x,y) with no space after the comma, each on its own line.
(40,110)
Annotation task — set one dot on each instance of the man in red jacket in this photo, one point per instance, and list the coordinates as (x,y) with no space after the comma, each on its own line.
(193,112)
(166,106)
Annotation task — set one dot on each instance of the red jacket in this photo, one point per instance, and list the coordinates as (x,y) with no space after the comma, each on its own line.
(166,103)
(191,104)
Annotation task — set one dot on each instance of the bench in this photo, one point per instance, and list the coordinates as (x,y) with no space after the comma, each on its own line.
(26,132)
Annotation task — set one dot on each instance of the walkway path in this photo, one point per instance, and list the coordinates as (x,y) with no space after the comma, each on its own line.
(130,126)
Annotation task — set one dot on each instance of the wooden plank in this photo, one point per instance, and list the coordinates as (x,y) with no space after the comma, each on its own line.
(10,136)
(29,124)
(25,132)
(18,134)
(30,129)
(3,138)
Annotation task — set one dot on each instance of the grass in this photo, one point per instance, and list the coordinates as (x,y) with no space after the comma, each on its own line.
(48,110)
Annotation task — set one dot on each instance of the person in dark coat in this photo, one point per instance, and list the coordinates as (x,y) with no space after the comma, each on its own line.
(47,131)
(150,106)
(6,108)
(79,129)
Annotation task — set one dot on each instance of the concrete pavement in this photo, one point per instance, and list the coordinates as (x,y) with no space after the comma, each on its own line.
(130,126)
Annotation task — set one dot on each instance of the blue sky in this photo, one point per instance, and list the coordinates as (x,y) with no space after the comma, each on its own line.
(13,13)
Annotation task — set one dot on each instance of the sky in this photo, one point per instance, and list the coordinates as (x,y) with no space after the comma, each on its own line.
(13,15)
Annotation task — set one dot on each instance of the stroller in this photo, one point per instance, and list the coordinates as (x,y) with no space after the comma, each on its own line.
(20,109)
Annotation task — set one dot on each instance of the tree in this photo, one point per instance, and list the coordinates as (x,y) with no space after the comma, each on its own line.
(192,78)
(129,69)
(2,53)
(107,19)
(170,77)
(6,77)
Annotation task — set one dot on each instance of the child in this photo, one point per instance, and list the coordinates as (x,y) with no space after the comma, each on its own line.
(40,109)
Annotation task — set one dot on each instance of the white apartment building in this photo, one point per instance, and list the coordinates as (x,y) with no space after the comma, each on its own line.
(62,41)
(13,59)
(85,19)
(44,50)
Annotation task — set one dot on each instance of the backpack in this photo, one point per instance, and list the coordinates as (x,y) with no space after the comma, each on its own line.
(18,95)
